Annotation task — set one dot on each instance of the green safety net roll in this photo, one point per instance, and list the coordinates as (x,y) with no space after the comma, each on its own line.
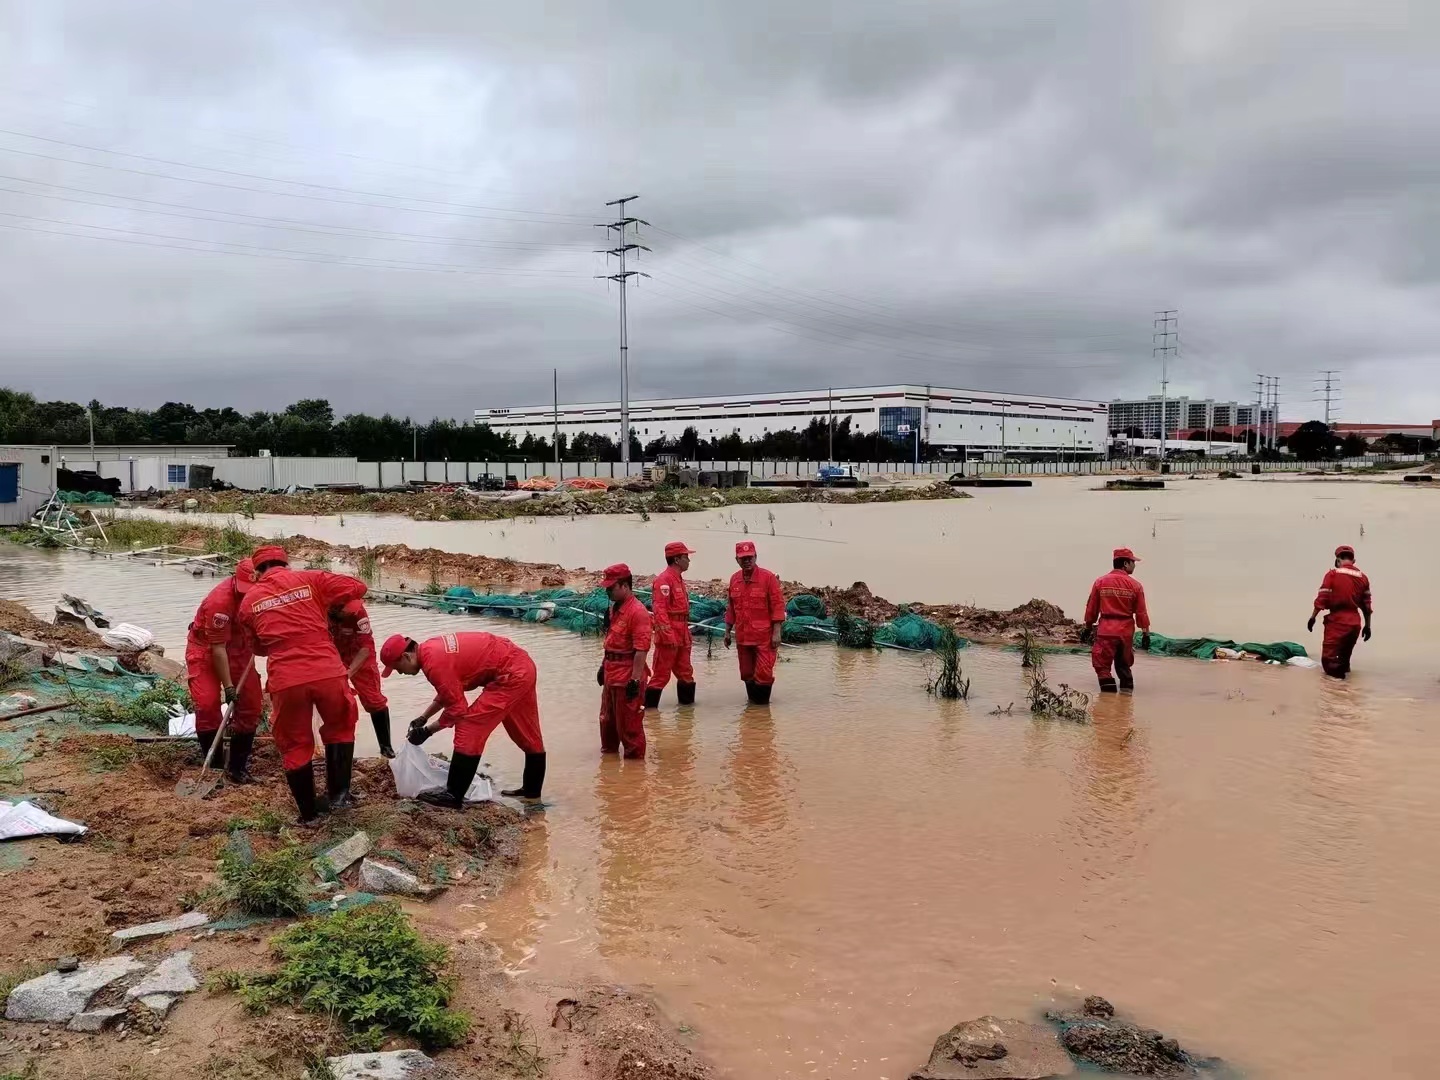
(97,498)
(806,604)
(910,631)
(1204,648)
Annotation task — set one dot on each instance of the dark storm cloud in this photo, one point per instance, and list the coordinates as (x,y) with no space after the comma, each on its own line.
(994,194)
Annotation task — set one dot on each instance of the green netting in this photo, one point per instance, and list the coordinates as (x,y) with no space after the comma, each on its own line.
(99,498)
(92,684)
(910,631)
(805,629)
(1204,648)
(805,604)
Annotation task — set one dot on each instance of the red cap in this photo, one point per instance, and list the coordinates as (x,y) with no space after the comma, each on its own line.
(677,547)
(392,650)
(743,548)
(268,553)
(617,572)
(244,575)
(1345,549)
(1124,553)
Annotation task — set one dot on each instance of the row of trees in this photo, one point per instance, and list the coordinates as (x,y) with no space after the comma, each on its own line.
(1312,441)
(310,429)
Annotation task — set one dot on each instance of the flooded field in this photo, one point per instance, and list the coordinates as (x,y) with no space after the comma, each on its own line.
(1222,558)
(1240,855)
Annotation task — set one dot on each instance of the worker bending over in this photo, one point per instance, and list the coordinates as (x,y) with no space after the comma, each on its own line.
(455,663)
(1117,601)
(1344,596)
(217,657)
(350,630)
(754,621)
(623,673)
(670,618)
(286,617)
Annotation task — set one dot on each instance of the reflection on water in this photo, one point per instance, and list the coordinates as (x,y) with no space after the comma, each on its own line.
(1241,855)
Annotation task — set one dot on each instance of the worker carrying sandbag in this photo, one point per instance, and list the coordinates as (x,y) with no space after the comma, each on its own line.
(455,663)
(1344,596)
(754,621)
(670,617)
(1115,607)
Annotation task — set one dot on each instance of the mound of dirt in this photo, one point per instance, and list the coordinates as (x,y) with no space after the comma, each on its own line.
(19,620)
(628,1037)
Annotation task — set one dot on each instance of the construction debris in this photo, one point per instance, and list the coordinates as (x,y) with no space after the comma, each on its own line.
(191,920)
(54,998)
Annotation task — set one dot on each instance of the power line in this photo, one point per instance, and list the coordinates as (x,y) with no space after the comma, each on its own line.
(622,228)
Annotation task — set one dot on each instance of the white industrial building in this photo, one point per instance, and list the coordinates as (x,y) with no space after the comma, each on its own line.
(1183,414)
(970,422)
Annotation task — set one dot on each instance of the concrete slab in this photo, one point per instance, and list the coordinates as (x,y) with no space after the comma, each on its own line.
(189,921)
(394,1065)
(173,975)
(56,998)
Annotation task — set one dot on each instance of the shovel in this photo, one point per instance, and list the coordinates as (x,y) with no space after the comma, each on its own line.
(201,787)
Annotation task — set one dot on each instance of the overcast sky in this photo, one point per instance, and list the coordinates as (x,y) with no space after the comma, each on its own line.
(392,204)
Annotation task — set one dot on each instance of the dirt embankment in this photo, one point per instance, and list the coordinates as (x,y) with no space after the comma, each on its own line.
(463,504)
(19,620)
(415,566)
(150,855)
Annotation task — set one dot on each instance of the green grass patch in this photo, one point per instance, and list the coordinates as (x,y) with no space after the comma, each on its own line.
(130,533)
(150,709)
(13,978)
(268,884)
(264,821)
(367,968)
(103,759)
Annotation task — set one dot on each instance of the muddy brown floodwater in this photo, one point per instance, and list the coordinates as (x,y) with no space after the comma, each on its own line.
(1240,855)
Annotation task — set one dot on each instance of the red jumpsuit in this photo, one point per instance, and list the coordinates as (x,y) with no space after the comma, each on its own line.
(285,615)
(1344,594)
(350,630)
(622,719)
(670,610)
(455,663)
(1117,601)
(214,624)
(755,607)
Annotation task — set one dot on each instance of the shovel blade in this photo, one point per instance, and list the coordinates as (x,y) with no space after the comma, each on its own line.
(202,788)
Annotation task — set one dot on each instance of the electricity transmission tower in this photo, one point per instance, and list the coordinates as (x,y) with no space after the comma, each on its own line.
(620,232)
(1330,391)
(1165,346)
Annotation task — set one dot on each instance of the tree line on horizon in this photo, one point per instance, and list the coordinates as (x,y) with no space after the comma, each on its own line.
(310,428)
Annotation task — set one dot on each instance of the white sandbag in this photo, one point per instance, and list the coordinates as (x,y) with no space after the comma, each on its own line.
(128,637)
(416,771)
(22,819)
(184,724)
(1302,661)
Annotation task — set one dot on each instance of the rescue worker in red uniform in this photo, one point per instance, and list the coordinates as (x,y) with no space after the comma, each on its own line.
(1116,605)
(754,621)
(285,616)
(623,673)
(670,618)
(1344,596)
(455,663)
(216,658)
(350,630)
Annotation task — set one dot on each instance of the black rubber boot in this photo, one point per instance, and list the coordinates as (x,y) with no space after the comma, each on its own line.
(652,696)
(1127,680)
(207,739)
(462,773)
(762,693)
(339,760)
(750,691)
(685,693)
(1107,686)
(302,787)
(237,768)
(381,719)
(533,781)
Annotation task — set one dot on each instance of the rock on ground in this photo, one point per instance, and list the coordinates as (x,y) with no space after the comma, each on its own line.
(56,998)
(994,1049)
(340,857)
(378,877)
(1096,1037)
(189,921)
(173,975)
(95,1020)
(394,1065)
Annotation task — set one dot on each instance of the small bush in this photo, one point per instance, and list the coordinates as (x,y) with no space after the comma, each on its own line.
(264,821)
(368,968)
(949,682)
(368,567)
(267,884)
(110,758)
(167,760)
(433,587)
(151,708)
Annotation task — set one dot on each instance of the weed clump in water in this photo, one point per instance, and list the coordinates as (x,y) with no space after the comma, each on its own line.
(433,586)
(949,682)
(1065,703)
(368,567)
(266,884)
(369,969)
(852,631)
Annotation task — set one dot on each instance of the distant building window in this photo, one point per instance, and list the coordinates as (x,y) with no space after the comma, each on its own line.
(9,483)
(176,474)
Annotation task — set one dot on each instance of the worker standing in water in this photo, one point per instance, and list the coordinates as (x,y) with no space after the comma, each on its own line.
(623,674)
(350,630)
(1344,596)
(219,668)
(455,663)
(754,621)
(286,617)
(670,616)
(1116,605)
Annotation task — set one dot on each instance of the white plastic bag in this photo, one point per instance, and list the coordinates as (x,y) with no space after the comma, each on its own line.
(1302,662)
(183,724)
(22,819)
(416,771)
(128,636)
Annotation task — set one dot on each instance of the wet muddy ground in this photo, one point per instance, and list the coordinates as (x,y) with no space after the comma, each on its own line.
(1241,854)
